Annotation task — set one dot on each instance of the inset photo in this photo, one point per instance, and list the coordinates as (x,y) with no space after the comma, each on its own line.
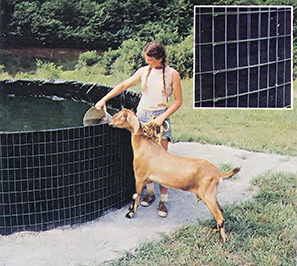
(243,57)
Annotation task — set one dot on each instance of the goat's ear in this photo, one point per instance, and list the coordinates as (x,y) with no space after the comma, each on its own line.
(134,122)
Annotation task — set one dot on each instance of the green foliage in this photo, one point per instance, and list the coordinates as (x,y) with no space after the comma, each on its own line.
(180,56)
(130,57)
(159,31)
(48,70)
(24,26)
(107,24)
(92,24)
(125,60)
(108,59)
(87,59)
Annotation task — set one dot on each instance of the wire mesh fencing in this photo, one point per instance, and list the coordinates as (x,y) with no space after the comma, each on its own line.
(243,56)
(65,176)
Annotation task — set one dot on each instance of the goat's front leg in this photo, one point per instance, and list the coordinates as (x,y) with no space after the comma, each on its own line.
(133,206)
(136,199)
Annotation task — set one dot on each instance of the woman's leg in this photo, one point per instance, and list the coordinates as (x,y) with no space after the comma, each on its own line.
(162,207)
(164,144)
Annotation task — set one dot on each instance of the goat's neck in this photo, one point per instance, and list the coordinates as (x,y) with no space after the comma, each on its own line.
(136,139)
(139,133)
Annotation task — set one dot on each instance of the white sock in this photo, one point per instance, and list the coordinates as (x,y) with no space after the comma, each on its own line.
(150,188)
(163,197)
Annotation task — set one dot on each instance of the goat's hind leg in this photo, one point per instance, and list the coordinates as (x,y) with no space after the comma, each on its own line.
(216,228)
(216,210)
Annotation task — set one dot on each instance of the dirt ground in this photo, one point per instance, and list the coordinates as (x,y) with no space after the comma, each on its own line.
(110,236)
(49,53)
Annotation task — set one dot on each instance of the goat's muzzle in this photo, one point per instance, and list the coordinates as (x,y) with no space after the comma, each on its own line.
(112,121)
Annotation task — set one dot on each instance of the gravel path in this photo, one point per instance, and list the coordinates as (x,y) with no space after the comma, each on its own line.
(108,237)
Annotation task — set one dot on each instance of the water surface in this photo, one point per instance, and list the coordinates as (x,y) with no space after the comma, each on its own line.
(37,113)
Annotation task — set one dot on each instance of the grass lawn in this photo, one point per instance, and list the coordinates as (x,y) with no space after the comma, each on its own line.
(270,131)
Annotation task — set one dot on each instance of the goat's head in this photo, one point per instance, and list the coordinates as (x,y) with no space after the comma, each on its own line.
(126,119)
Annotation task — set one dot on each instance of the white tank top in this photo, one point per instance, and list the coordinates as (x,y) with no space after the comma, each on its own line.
(154,97)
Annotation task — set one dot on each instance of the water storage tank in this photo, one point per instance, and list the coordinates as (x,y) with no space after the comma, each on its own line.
(63,176)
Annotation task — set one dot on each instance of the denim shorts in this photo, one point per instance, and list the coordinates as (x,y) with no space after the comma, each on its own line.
(146,116)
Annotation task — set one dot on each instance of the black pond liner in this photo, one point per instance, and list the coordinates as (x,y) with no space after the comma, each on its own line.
(64,176)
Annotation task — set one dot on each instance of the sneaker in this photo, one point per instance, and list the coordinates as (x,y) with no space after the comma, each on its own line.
(162,209)
(148,199)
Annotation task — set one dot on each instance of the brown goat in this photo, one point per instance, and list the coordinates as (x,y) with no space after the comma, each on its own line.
(153,162)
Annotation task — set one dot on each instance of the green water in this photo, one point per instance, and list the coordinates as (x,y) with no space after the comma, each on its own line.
(38,113)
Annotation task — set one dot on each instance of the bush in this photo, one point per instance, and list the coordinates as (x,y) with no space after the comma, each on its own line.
(180,56)
(162,32)
(127,59)
(89,58)
(130,57)
(48,70)
(108,59)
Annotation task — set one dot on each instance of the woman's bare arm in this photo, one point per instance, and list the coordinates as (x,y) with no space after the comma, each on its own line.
(133,80)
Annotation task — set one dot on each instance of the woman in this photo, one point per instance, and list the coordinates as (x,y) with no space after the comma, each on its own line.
(159,82)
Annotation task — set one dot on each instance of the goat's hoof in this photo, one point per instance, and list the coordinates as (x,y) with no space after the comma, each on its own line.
(215,228)
(129,215)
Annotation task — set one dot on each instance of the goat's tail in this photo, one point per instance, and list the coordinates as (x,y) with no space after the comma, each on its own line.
(231,173)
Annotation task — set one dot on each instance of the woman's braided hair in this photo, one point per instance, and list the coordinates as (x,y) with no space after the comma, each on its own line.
(157,50)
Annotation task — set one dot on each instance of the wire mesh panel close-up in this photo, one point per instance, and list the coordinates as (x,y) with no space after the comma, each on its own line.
(243,57)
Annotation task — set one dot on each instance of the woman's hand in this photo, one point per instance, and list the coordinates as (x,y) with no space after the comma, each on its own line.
(101,104)
(158,121)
